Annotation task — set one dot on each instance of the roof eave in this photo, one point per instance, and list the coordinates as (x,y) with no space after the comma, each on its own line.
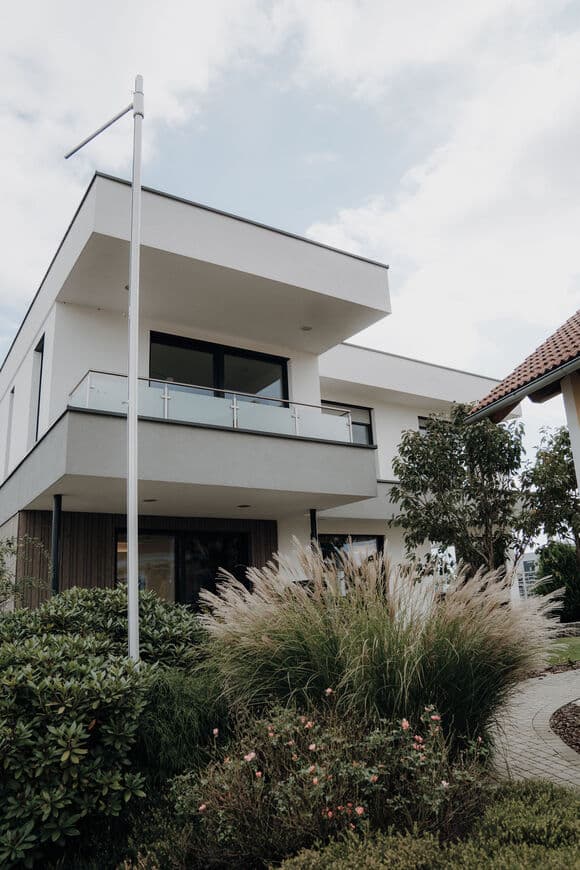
(507,403)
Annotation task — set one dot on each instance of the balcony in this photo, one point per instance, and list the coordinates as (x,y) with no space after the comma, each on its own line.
(203,406)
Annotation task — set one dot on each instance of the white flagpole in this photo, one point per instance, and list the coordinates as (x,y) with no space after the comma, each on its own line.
(133,381)
(138,108)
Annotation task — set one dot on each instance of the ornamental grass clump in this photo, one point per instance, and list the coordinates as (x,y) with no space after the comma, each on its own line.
(384,639)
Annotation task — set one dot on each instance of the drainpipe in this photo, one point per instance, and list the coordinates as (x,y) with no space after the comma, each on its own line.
(313,526)
(55,543)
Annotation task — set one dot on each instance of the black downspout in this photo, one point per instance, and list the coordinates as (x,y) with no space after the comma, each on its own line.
(55,543)
(313,526)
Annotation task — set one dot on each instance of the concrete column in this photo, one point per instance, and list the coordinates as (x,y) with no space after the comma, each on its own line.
(55,544)
(571,396)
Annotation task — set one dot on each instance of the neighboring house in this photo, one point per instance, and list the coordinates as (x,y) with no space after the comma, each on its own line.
(257,423)
(526,572)
(554,367)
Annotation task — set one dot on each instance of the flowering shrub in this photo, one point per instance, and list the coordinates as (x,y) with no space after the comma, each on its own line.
(68,720)
(291,780)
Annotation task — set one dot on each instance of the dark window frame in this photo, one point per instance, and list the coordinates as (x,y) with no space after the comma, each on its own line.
(380,539)
(40,350)
(219,352)
(347,407)
(179,541)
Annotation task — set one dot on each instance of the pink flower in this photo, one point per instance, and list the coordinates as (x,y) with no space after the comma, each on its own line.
(359,811)
(227,759)
(374,778)
(417,738)
(315,780)
(405,724)
(294,758)
(422,758)
(436,718)
(250,756)
(202,808)
(309,725)
(215,732)
(312,747)
(270,734)
(312,768)
(290,743)
(340,808)
(303,719)
(329,691)
(351,826)
(417,746)
(258,774)
(444,783)
(329,814)
(480,739)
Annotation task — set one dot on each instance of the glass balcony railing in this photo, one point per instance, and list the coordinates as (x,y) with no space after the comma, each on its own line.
(187,403)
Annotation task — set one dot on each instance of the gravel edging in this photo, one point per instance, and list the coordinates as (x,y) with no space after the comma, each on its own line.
(565,722)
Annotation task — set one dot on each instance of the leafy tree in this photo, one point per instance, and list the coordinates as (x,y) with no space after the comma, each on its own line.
(558,565)
(458,487)
(554,497)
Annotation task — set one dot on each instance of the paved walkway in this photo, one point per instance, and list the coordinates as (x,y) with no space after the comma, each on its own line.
(527,748)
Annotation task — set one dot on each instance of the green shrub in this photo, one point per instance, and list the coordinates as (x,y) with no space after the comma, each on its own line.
(169,633)
(558,564)
(536,813)
(424,853)
(69,715)
(289,781)
(381,851)
(385,643)
(176,731)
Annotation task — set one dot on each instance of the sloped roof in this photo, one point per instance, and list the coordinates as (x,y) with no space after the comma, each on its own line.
(561,349)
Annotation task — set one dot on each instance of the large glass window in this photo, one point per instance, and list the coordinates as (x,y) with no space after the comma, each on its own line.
(360,547)
(156,563)
(174,358)
(362,430)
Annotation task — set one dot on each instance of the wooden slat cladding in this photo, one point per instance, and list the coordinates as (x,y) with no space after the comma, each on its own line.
(88,544)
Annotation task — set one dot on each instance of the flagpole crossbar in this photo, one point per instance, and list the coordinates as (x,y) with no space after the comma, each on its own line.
(94,135)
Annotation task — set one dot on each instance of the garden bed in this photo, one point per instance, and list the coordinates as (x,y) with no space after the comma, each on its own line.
(565,722)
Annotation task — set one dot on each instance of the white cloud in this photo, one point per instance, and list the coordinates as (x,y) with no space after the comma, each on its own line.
(66,67)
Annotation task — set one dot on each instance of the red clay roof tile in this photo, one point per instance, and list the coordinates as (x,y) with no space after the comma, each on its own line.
(561,347)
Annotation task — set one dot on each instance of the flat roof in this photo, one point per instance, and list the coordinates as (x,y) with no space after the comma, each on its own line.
(179,199)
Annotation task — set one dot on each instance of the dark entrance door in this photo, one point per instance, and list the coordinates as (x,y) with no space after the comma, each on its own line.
(203,554)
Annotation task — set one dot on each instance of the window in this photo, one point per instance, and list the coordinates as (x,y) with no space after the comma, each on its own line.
(156,563)
(362,430)
(225,369)
(361,547)
(35,393)
(422,423)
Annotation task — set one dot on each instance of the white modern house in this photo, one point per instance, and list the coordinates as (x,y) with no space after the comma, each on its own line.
(257,422)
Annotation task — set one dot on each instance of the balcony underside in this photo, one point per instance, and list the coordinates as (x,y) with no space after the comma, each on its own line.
(186,471)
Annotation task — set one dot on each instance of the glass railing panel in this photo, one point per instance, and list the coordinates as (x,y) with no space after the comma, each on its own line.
(151,402)
(101,392)
(195,407)
(265,418)
(314,424)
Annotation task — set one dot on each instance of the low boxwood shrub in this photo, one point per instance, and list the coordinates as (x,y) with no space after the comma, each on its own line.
(386,643)
(69,715)
(169,633)
(287,781)
(536,813)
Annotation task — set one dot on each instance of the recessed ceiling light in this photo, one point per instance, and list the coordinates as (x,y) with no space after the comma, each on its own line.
(244,505)
(306,328)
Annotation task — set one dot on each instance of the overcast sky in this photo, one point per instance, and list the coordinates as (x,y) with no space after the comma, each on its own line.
(440,137)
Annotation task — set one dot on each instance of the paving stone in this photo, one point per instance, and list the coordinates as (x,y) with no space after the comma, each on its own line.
(526,746)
